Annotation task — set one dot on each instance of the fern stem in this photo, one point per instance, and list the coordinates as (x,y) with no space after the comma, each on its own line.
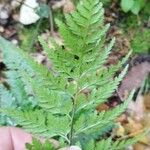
(88,128)
(72,125)
(73,116)
(64,137)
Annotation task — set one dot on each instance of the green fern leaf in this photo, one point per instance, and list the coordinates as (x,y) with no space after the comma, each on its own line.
(62,100)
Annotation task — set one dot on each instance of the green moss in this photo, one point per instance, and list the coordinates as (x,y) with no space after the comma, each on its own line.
(135,30)
(141,41)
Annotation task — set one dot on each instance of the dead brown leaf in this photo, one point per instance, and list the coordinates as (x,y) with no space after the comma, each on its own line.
(140,146)
(134,79)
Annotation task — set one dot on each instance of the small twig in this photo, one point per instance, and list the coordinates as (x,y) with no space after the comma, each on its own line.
(51,19)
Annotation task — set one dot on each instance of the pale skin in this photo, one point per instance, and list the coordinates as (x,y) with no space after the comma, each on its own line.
(12,138)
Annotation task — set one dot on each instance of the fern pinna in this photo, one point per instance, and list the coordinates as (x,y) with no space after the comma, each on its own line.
(61,102)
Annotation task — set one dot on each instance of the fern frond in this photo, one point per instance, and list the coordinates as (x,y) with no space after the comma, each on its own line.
(17,87)
(85,125)
(40,123)
(16,59)
(51,99)
(32,121)
(104,144)
(83,34)
(37,145)
(59,57)
(127,141)
(100,94)
(66,96)
(118,144)
(6,98)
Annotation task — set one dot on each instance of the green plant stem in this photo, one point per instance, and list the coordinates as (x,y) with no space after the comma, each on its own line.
(64,137)
(35,34)
(72,126)
(73,116)
(51,19)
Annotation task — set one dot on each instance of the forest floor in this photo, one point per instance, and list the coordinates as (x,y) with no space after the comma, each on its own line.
(131,32)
